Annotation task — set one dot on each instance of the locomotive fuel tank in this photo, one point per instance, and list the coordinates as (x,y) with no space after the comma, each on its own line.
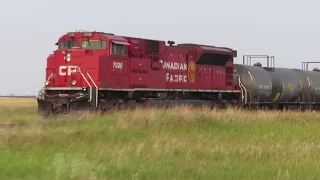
(286,85)
(310,85)
(256,80)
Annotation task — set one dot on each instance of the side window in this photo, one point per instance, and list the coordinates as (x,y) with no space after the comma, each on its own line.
(68,44)
(153,47)
(94,44)
(118,49)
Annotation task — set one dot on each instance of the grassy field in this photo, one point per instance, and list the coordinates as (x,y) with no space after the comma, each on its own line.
(178,143)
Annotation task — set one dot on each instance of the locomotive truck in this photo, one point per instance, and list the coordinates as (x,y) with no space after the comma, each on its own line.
(97,71)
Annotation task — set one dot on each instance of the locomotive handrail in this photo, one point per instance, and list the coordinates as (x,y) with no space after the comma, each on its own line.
(90,97)
(96,89)
(87,83)
(50,76)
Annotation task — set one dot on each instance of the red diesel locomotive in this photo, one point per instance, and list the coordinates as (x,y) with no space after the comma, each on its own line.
(98,71)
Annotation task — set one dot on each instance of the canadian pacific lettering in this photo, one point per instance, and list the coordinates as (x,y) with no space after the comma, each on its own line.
(175,66)
(176,78)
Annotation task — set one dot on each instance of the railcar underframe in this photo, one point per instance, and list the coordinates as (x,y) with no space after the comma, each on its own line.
(85,101)
(53,102)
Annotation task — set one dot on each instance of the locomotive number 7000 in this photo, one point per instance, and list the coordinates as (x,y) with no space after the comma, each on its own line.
(117,65)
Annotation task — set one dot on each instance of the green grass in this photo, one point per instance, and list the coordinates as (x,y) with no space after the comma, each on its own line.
(178,143)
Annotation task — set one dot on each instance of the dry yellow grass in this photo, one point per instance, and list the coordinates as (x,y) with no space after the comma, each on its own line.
(176,143)
(18,109)
(12,102)
(185,115)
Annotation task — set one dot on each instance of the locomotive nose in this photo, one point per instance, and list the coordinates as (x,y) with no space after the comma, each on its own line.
(63,69)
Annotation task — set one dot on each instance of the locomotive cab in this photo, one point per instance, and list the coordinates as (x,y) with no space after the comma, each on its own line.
(76,53)
(80,52)
(85,41)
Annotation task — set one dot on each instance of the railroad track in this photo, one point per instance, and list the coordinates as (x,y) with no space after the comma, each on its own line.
(11,125)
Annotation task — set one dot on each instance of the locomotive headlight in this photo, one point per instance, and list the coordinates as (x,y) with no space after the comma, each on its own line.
(47,83)
(68,56)
(74,82)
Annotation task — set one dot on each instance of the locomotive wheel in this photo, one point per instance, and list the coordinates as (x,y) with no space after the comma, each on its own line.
(45,112)
(81,113)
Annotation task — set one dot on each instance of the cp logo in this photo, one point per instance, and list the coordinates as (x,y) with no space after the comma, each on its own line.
(70,69)
(192,71)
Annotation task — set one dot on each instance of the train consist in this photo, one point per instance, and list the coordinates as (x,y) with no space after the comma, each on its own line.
(96,71)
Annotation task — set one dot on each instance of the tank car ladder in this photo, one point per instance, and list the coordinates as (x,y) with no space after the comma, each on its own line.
(244,95)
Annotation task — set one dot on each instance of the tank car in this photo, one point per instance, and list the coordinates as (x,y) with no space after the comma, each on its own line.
(310,85)
(277,87)
(286,85)
(256,82)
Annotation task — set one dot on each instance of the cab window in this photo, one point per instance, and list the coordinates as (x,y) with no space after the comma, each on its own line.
(94,44)
(68,44)
(118,49)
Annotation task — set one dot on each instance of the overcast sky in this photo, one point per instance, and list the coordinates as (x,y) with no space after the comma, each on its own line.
(289,30)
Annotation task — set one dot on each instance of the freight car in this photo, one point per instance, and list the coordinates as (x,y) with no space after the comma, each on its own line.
(272,87)
(97,71)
